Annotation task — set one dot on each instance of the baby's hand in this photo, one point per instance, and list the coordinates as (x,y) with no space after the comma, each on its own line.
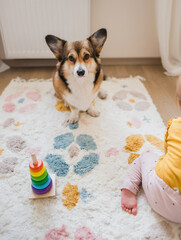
(178,91)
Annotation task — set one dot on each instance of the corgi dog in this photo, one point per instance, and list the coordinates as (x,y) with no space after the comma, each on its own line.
(79,74)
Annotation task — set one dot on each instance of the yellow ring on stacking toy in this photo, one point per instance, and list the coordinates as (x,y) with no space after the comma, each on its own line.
(37,174)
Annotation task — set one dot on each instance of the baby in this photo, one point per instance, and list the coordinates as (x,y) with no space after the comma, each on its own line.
(160,177)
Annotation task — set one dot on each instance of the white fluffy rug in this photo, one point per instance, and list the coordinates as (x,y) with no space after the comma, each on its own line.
(89,159)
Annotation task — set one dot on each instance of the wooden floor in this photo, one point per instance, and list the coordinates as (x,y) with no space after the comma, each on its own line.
(160,86)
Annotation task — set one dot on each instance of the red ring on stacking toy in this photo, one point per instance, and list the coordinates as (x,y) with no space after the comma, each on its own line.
(36,168)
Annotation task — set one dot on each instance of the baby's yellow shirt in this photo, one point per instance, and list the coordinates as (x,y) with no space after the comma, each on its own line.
(168,166)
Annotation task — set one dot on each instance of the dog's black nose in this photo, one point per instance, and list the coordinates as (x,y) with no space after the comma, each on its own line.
(80,72)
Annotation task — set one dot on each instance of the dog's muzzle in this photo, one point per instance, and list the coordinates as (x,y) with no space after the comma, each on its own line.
(80,72)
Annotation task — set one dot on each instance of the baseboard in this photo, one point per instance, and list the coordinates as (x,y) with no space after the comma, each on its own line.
(131,61)
(31,62)
(105,61)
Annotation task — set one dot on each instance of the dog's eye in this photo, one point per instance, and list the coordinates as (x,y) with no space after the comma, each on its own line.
(72,59)
(86,57)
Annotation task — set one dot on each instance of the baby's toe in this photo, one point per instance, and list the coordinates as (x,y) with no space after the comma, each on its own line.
(134,211)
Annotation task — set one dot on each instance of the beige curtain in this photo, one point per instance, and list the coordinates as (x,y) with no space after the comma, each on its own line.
(168,18)
(3,66)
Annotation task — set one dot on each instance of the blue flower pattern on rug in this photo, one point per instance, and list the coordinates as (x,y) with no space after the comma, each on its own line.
(146,119)
(86,142)
(57,164)
(63,141)
(87,163)
(21,100)
(85,196)
(73,126)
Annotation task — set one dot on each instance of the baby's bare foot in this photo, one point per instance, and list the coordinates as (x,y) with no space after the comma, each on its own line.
(128,201)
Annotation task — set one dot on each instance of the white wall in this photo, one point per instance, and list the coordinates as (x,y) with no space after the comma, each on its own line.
(131,27)
(130,23)
(25,23)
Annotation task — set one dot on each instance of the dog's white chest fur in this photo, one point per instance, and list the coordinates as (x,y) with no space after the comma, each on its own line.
(82,91)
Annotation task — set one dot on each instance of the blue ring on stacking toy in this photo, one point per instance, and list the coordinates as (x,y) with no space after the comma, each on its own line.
(42,191)
(43,185)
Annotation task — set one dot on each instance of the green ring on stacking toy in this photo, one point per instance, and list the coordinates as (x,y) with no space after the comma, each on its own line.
(40,177)
(38,174)
(43,186)
(41,181)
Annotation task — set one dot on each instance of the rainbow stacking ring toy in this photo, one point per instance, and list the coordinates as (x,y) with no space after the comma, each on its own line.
(41,181)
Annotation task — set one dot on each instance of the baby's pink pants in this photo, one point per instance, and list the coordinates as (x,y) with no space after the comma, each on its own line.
(163,199)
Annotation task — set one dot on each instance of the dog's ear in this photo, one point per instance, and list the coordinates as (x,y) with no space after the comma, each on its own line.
(56,45)
(98,39)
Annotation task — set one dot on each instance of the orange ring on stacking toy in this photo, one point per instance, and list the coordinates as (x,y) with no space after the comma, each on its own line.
(36,168)
(37,174)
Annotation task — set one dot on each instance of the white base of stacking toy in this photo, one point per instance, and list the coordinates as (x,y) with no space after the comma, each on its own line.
(51,193)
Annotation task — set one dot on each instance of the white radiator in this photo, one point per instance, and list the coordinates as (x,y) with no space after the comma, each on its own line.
(25,23)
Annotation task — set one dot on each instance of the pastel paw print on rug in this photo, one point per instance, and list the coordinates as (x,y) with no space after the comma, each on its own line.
(81,233)
(85,195)
(84,233)
(8,165)
(86,142)
(84,122)
(112,152)
(17,124)
(21,100)
(13,96)
(9,107)
(73,126)
(129,100)
(15,144)
(146,119)
(35,96)
(57,165)
(63,140)
(12,102)
(11,122)
(135,122)
(87,163)
(34,150)
(27,108)
(73,147)
(136,141)
(57,234)
(73,150)
(70,195)
(8,122)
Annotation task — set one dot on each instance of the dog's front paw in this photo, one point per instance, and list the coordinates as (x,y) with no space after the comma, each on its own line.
(74,117)
(73,120)
(93,112)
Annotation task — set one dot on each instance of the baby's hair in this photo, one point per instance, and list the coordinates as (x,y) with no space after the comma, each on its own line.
(178,91)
